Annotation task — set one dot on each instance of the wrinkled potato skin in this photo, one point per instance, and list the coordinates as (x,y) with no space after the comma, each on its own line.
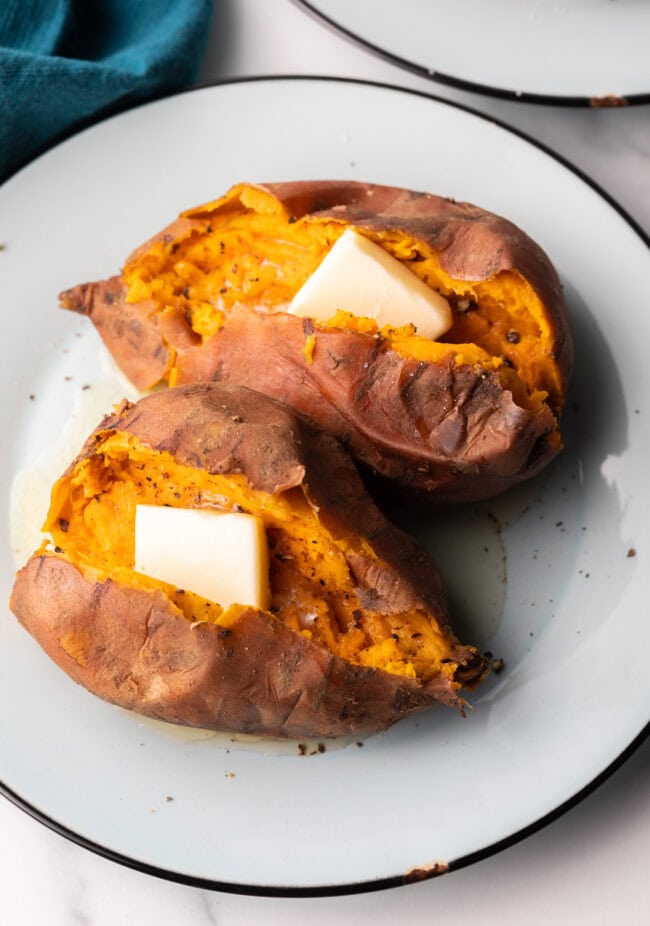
(255,676)
(450,435)
(450,431)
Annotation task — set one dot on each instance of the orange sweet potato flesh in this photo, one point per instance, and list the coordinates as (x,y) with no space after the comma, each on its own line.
(357,635)
(459,419)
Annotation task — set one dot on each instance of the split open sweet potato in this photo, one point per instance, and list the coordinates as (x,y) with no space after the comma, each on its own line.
(357,634)
(460,418)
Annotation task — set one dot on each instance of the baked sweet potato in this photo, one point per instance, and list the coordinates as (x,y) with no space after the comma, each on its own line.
(357,634)
(461,418)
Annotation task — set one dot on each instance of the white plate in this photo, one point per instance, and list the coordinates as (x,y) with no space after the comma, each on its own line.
(570,621)
(574,52)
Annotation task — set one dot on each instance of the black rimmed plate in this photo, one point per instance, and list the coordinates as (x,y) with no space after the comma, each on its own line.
(550,577)
(580,52)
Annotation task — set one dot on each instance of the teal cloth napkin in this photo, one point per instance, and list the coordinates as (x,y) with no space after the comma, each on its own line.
(63,62)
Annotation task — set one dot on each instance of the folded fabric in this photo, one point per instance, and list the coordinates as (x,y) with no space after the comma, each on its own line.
(63,62)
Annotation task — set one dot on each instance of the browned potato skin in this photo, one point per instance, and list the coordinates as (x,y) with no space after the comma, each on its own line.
(255,676)
(394,414)
(131,331)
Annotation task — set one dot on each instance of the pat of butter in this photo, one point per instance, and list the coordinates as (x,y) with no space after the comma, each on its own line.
(362,278)
(222,556)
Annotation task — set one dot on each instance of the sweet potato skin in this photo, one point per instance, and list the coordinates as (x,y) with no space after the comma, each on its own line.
(133,648)
(253,677)
(130,331)
(450,432)
(470,242)
(452,435)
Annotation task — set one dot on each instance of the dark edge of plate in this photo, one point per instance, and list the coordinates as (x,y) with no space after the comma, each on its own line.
(459,83)
(415,875)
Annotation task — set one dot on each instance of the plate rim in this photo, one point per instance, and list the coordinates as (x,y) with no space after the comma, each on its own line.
(416,875)
(339,890)
(597,101)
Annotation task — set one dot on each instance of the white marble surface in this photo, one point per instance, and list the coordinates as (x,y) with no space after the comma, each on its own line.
(590,866)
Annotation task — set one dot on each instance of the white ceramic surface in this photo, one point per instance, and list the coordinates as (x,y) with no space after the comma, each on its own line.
(541,48)
(571,697)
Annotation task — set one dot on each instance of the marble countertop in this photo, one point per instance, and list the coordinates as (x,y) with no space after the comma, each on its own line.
(590,865)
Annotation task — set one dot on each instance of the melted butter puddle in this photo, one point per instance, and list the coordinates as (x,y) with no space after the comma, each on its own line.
(466,544)
(246,742)
(29,498)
